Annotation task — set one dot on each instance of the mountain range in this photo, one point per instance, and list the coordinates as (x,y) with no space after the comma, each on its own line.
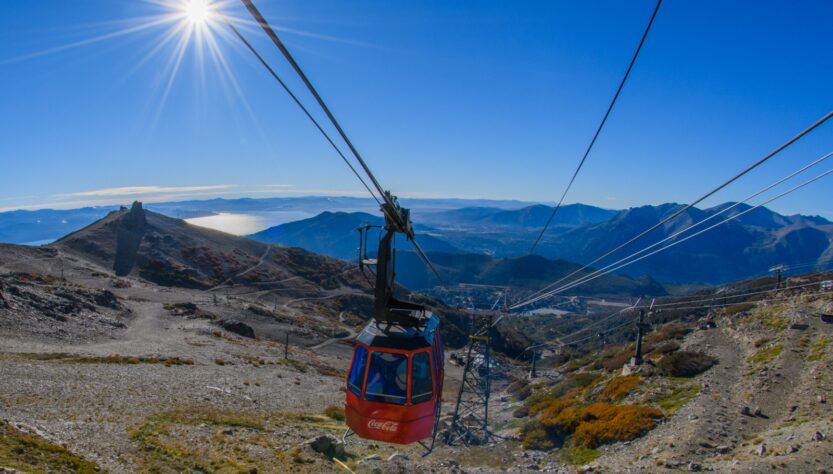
(747,246)
(500,230)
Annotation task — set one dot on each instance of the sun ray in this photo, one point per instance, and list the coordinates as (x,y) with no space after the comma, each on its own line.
(158,21)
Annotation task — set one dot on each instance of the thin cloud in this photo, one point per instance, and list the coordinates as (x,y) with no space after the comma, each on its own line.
(142,190)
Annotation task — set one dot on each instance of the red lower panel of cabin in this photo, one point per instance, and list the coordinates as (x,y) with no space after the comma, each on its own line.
(387,422)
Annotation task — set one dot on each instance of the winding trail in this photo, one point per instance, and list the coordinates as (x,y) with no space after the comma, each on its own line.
(350,334)
(223,284)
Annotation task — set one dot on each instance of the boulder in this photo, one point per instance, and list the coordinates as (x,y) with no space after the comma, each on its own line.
(328,446)
(237,327)
(819,436)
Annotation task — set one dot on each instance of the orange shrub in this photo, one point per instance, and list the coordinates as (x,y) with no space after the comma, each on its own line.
(605,423)
(618,388)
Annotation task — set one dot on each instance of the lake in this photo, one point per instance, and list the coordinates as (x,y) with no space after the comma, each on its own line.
(249,223)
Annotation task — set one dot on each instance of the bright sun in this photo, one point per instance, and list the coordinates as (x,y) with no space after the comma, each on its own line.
(198,12)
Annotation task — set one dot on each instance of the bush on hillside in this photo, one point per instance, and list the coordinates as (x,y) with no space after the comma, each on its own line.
(685,364)
(618,388)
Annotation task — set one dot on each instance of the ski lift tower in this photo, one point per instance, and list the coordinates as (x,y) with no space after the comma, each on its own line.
(778,270)
(470,423)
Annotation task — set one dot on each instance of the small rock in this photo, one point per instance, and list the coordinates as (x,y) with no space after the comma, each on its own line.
(397,455)
(793,408)
(744,410)
(758,411)
(819,436)
(694,467)
(655,450)
(723,449)
(372,457)
(792,449)
(761,451)
(670,464)
(821,399)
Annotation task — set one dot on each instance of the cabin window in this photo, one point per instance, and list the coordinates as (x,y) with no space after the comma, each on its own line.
(356,378)
(422,389)
(387,378)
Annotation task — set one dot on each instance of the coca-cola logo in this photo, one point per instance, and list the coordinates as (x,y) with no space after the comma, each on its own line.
(375,424)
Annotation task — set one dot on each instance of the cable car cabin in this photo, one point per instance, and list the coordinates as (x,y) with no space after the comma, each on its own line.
(394,386)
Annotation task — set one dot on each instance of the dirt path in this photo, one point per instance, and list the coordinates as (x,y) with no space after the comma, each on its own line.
(244,272)
(350,334)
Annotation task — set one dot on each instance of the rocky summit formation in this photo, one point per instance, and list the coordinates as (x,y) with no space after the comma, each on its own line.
(171,252)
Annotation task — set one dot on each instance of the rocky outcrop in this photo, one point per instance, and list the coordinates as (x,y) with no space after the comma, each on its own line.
(131,228)
(237,327)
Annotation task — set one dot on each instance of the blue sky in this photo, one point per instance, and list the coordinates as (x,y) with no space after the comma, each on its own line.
(471,98)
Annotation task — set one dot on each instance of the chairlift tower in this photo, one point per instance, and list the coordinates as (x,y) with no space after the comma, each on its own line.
(470,423)
(778,270)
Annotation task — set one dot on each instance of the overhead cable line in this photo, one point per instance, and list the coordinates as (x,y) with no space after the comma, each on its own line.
(692,226)
(599,129)
(674,305)
(587,279)
(702,198)
(386,196)
(299,104)
(770,300)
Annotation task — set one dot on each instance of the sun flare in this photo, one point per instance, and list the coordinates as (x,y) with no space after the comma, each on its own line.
(198,12)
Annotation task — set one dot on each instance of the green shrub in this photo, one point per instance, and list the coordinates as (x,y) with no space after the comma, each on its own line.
(765,356)
(685,363)
(678,398)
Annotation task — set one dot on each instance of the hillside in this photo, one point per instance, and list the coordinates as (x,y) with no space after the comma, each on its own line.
(530,272)
(335,234)
(170,252)
(739,249)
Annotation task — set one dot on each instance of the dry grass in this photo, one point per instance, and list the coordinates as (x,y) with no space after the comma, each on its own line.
(685,363)
(334,412)
(619,388)
(818,349)
(109,359)
(28,453)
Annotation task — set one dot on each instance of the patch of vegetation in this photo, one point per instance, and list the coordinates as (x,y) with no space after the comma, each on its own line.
(578,455)
(818,349)
(685,363)
(771,318)
(602,423)
(738,308)
(668,332)
(666,347)
(334,412)
(762,341)
(575,381)
(618,360)
(588,426)
(28,453)
(618,388)
(765,356)
(520,388)
(793,423)
(110,359)
(163,452)
(678,398)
